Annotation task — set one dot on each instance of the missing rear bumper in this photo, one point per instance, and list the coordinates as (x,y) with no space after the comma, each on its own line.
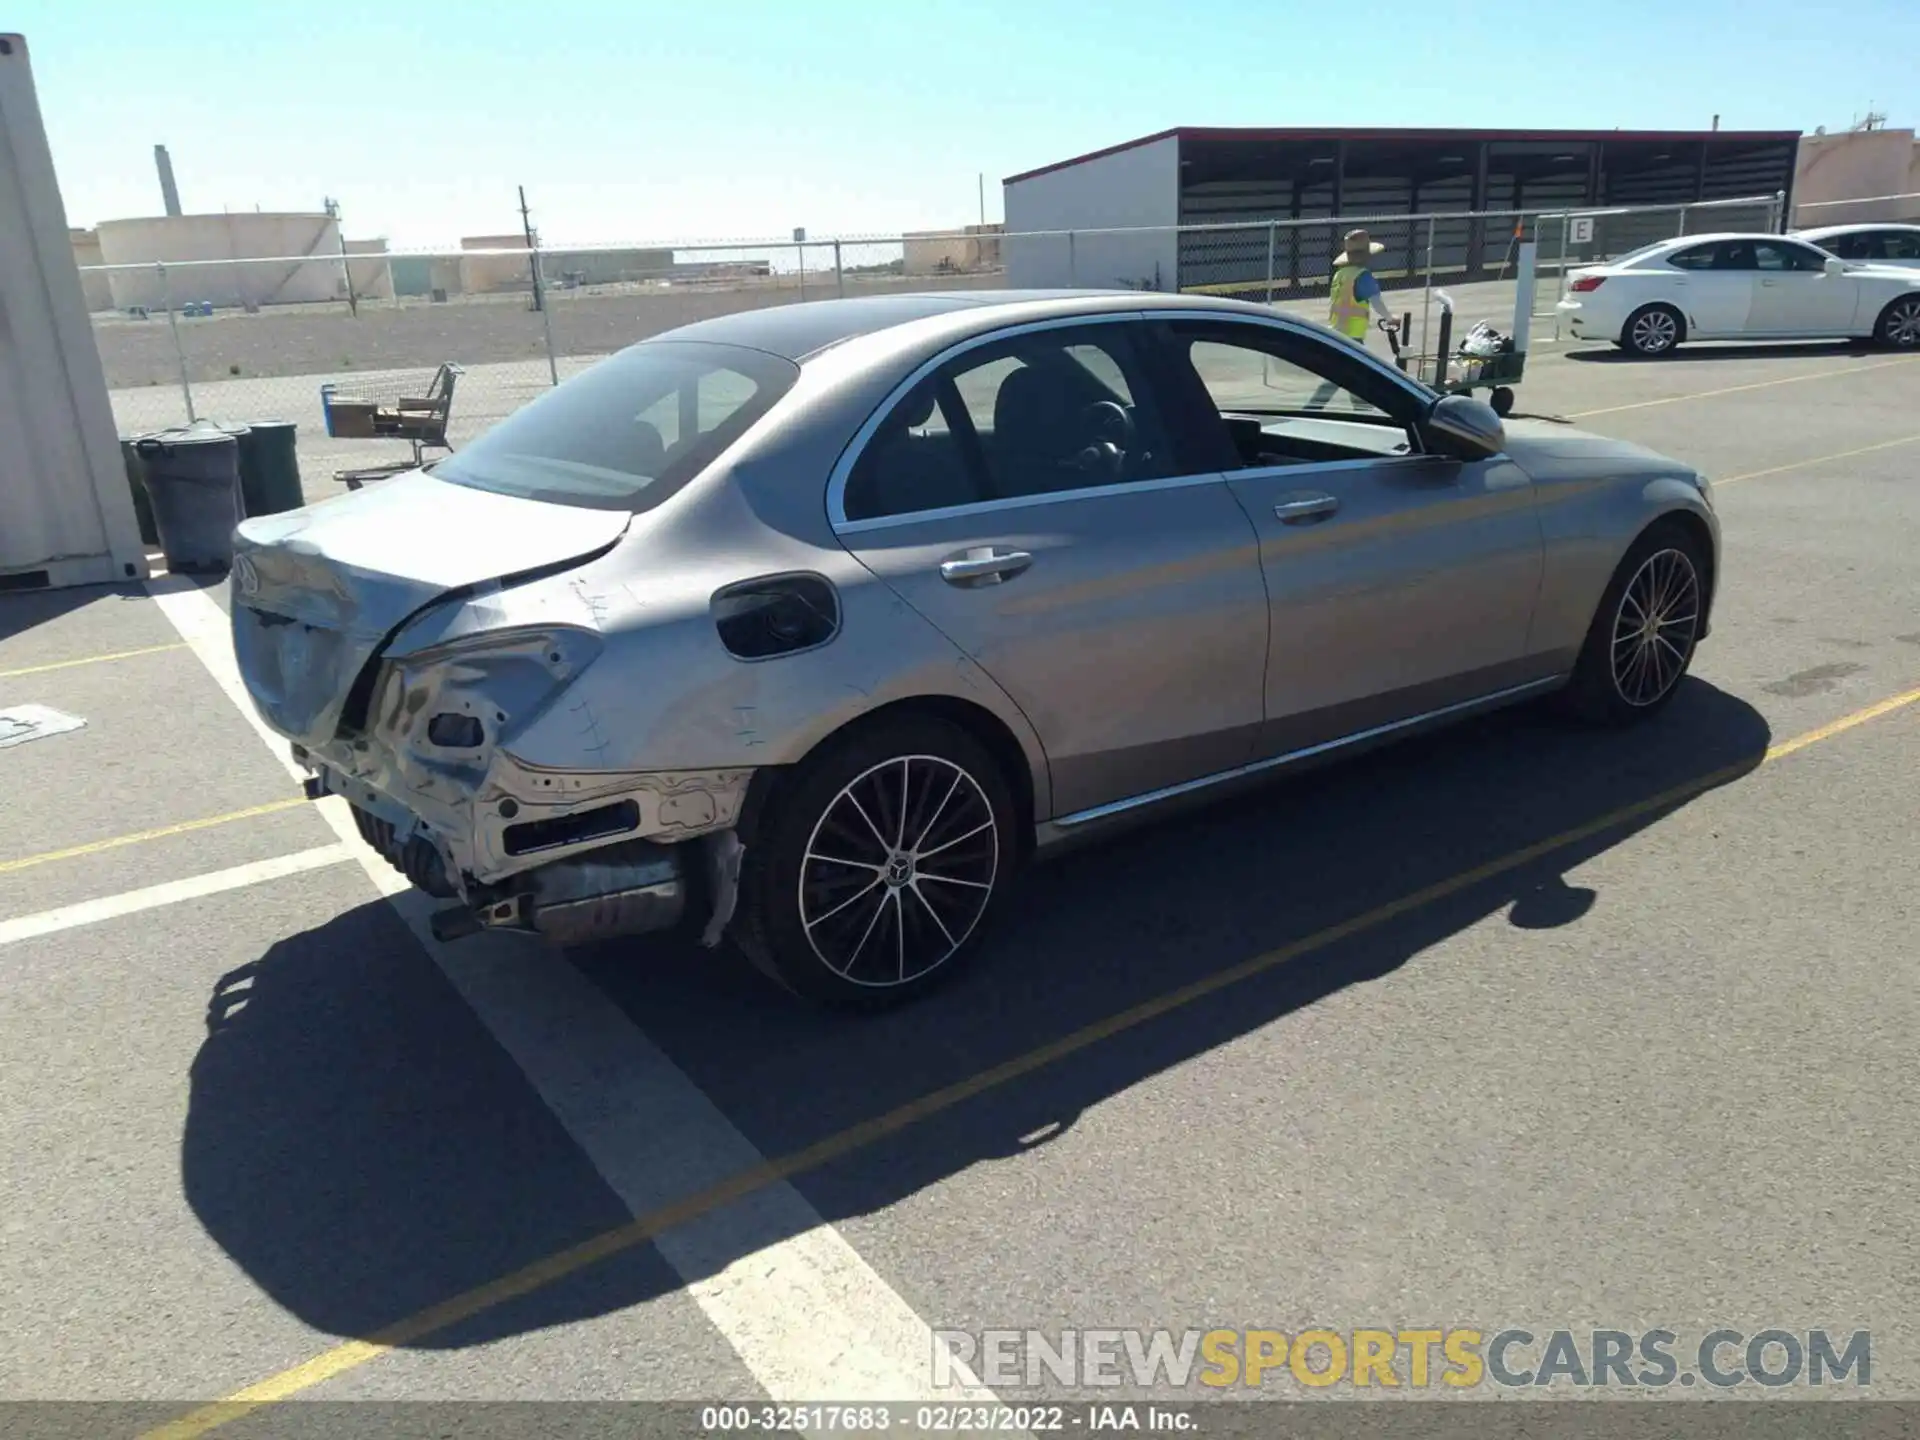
(579,873)
(633,888)
(637,887)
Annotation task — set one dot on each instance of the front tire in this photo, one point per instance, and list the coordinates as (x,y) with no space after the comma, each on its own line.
(1653,330)
(1899,325)
(878,865)
(1643,635)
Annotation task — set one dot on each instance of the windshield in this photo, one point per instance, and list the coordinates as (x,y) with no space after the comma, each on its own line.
(630,430)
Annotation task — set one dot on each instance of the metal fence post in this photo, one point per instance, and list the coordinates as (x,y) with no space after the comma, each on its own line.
(546,316)
(839,274)
(1270,238)
(800,258)
(179,354)
(1426,290)
(1560,263)
(346,272)
(1778,210)
(1683,219)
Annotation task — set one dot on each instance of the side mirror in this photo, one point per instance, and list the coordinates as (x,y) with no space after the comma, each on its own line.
(1836,267)
(1468,428)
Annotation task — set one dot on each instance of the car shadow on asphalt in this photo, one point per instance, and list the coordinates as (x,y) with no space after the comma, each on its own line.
(361,1148)
(1707,350)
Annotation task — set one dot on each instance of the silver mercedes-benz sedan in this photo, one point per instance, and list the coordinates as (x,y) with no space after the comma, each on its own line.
(809,626)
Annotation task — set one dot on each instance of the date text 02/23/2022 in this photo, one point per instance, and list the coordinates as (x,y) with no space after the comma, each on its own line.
(941,1419)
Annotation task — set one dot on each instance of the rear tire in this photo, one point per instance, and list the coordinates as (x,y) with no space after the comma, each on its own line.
(878,865)
(1653,330)
(1899,325)
(1644,632)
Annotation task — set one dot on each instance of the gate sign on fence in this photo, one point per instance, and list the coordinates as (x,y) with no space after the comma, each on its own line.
(1581,232)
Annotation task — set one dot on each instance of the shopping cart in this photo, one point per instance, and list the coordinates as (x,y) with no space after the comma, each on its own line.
(413,413)
(1465,371)
(1497,373)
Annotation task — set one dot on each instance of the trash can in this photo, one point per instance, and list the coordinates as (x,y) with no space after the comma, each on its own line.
(137,483)
(193,482)
(269,468)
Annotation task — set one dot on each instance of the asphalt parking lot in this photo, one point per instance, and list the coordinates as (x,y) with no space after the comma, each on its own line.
(1512,1026)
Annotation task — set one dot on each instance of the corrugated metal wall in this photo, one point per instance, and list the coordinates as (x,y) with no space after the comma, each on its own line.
(1283,181)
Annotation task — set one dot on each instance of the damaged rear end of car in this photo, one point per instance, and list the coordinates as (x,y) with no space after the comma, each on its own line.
(422,645)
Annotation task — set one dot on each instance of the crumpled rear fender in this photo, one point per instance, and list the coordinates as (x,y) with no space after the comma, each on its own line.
(636,722)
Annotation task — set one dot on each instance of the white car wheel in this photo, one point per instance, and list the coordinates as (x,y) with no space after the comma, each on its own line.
(1900,323)
(1652,331)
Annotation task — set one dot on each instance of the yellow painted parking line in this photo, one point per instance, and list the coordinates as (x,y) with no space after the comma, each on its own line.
(1844,724)
(138,837)
(1817,460)
(1737,389)
(643,1228)
(90,660)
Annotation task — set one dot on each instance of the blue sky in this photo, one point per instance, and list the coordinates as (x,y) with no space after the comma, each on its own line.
(646,121)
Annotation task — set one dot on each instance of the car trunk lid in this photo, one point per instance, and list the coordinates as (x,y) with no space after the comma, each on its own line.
(317,591)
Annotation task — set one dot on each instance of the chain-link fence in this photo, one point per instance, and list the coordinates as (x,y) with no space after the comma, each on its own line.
(351,348)
(372,354)
(1472,257)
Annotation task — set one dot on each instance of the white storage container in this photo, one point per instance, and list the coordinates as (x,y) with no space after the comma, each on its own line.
(66,512)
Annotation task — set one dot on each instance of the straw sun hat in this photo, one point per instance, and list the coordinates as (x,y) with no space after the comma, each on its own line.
(1358,243)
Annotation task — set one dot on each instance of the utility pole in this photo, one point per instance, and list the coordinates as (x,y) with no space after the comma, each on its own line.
(983,198)
(533,256)
(346,266)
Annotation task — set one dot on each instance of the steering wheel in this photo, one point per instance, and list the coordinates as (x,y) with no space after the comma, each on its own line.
(1111,421)
(1110,431)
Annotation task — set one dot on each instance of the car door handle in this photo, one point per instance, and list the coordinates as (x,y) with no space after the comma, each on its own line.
(984,564)
(1307,507)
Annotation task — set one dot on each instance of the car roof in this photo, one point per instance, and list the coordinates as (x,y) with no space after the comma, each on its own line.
(1660,249)
(1710,237)
(803,329)
(1857,227)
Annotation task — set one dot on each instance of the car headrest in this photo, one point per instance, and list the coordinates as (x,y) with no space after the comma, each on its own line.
(649,449)
(917,409)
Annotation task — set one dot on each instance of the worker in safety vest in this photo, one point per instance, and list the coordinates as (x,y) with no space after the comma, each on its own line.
(1356,293)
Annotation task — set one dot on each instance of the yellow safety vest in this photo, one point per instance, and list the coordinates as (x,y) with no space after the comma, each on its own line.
(1349,315)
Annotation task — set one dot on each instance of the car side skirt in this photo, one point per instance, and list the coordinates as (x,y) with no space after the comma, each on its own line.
(1055,836)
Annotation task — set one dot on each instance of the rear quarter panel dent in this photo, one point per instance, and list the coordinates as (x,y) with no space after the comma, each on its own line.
(710,711)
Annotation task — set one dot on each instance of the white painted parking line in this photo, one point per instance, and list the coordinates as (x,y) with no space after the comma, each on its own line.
(209,634)
(132,902)
(808,1317)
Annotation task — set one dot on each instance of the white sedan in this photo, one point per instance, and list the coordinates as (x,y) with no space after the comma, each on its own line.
(1877,244)
(1740,287)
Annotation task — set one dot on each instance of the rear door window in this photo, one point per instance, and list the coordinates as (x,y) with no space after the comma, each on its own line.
(1776,256)
(1860,246)
(1050,411)
(1900,244)
(1699,257)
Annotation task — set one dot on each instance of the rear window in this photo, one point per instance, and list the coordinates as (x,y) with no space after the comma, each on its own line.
(1634,257)
(630,430)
